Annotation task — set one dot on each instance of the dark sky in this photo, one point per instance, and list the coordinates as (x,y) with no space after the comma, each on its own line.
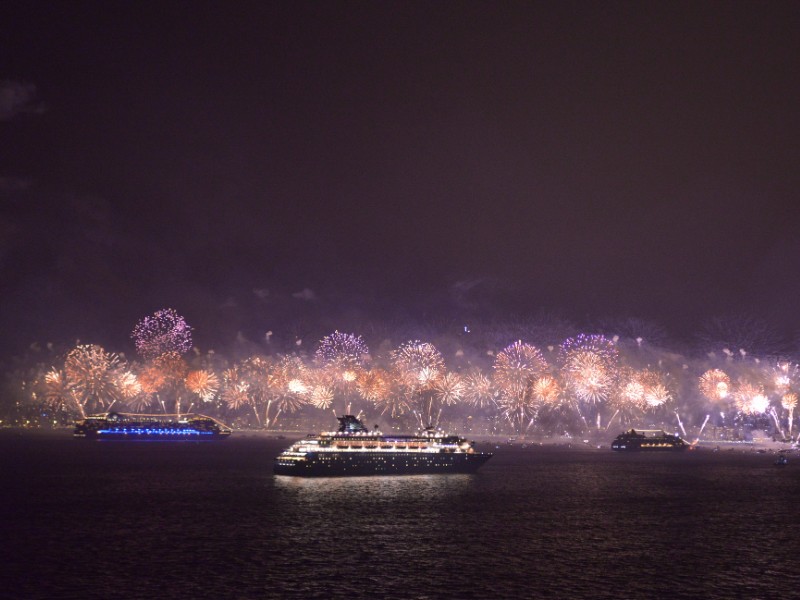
(593,158)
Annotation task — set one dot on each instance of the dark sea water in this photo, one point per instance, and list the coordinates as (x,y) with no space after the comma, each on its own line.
(186,520)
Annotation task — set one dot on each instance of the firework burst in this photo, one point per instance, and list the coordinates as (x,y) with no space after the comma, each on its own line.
(588,376)
(546,391)
(341,358)
(656,393)
(128,384)
(374,384)
(516,369)
(589,363)
(784,377)
(715,385)
(418,366)
(320,396)
(589,367)
(92,375)
(140,402)
(420,363)
(151,379)
(345,350)
(236,395)
(479,390)
(750,398)
(203,383)
(789,402)
(449,389)
(629,398)
(291,377)
(164,331)
(517,366)
(57,391)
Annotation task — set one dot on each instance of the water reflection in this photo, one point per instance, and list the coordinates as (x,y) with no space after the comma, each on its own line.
(379,488)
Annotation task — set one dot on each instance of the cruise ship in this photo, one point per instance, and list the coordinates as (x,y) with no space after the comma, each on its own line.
(648,439)
(132,427)
(354,450)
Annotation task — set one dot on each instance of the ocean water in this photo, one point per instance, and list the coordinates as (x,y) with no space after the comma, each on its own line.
(187,520)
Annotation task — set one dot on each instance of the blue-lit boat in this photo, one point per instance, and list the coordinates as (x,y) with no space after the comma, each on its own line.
(354,450)
(121,426)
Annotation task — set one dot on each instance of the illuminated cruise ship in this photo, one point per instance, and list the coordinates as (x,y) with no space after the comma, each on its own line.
(353,450)
(648,439)
(132,427)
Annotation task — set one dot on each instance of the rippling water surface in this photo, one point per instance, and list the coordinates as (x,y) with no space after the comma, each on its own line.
(186,520)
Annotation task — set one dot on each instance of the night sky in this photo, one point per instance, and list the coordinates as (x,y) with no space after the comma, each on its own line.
(253,163)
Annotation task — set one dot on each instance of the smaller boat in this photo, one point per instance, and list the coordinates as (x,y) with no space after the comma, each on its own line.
(648,439)
(781,461)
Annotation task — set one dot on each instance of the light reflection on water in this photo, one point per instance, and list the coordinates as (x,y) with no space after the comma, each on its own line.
(376,488)
(212,521)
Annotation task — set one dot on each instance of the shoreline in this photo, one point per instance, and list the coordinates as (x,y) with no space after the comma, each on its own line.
(588,443)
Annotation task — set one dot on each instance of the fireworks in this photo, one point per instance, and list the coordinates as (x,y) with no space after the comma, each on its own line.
(296,386)
(263,378)
(589,366)
(344,350)
(789,402)
(419,361)
(139,402)
(235,395)
(599,345)
(321,396)
(631,393)
(373,385)
(715,385)
(479,391)
(655,391)
(203,383)
(376,387)
(546,391)
(516,367)
(172,367)
(151,379)
(129,385)
(657,395)
(784,376)
(588,376)
(164,331)
(750,398)
(57,391)
(294,373)
(449,389)
(92,376)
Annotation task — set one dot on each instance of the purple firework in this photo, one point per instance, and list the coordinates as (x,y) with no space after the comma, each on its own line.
(164,331)
(342,349)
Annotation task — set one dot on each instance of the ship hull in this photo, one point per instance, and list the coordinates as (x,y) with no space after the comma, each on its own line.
(332,464)
(144,436)
(648,448)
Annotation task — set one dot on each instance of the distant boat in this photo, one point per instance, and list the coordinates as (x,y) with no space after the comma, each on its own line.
(781,461)
(133,427)
(648,440)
